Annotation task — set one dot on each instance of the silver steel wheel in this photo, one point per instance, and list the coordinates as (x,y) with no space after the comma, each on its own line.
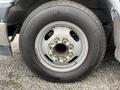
(61,46)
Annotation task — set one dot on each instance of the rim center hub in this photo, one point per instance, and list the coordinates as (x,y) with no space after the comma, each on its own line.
(60,49)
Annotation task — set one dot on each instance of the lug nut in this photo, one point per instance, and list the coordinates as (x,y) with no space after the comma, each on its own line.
(56,59)
(71,47)
(70,54)
(50,54)
(50,45)
(64,59)
(65,41)
(57,40)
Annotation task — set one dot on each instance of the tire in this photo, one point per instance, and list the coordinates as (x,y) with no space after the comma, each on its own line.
(67,11)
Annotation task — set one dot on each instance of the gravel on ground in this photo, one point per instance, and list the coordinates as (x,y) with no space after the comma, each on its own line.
(14,75)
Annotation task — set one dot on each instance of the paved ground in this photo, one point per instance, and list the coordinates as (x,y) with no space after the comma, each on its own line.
(14,75)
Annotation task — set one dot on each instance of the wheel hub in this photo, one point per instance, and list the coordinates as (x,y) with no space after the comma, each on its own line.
(60,50)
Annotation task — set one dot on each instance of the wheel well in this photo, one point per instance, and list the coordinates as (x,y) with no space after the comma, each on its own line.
(97,6)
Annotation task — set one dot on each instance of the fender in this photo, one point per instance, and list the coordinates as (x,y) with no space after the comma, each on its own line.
(114,9)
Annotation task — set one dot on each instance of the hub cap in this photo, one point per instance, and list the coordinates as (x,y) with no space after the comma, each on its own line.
(61,46)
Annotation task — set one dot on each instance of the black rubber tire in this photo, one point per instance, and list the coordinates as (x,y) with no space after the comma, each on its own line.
(63,11)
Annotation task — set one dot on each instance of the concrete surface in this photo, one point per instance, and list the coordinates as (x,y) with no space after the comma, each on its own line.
(14,75)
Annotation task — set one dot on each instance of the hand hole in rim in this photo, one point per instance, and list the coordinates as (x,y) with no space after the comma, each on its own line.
(49,34)
(74,36)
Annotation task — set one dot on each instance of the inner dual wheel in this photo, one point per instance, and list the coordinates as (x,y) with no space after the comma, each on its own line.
(62,41)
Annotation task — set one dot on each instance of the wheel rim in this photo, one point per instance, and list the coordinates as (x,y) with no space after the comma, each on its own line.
(61,46)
